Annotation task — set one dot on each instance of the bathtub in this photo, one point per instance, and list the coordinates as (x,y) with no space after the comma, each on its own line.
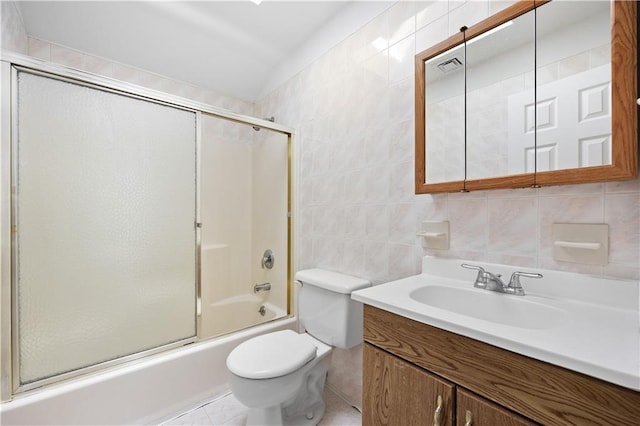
(146,391)
(237,313)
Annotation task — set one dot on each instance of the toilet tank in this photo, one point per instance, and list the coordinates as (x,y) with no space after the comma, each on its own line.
(325,308)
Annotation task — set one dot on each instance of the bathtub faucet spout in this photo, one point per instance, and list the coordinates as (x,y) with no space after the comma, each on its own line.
(261,287)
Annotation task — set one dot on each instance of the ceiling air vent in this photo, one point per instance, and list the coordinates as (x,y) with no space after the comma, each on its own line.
(450,65)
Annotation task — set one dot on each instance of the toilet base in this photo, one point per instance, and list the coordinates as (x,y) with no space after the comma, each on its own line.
(305,408)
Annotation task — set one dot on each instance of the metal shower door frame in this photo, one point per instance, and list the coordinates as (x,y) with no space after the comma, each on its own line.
(10,63)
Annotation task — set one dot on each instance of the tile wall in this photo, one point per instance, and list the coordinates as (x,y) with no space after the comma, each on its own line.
(13,36)
(357,212)
(356,209)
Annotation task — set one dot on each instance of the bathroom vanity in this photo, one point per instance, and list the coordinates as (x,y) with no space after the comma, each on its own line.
(431,365)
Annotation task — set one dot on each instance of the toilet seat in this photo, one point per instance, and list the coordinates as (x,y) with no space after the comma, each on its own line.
(271,355)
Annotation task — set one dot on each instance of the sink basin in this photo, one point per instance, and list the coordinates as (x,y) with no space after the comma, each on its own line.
(514,311)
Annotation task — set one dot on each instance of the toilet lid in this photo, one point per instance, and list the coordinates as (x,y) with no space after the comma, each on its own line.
(271,355)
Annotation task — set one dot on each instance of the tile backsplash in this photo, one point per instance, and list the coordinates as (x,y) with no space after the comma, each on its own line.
(356,209)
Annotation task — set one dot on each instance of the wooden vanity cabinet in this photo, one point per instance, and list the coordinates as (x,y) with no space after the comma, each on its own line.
(397,392)
(407,364)
(474,410)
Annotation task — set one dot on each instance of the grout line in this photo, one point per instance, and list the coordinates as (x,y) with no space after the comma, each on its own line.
(197,407)
(342,397)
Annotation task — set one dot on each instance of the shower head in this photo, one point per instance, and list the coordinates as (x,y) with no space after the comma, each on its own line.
(271,119)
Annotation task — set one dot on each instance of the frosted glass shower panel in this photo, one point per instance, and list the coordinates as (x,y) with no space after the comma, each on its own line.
(105,215)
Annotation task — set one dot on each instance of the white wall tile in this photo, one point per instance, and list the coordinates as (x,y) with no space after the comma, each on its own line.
(621,213)
(375,37)
(401,261)
(508,259)
(429,11)
(376,261)
(377,145)
(355,186)
(401,59)
(401,181)
(39,49)
(327,188)
(401,21)
(468,218)
(401,100)
(354,259)
(13,35)
(328,253)
(402,224)
(304,249)
(622,272)
(73,58)
(401,141)
(513,226)
(432,207)
(588,188)
(466,14)
(355,220)
(433,33)
(377,222)
(305,220)
(624,186)
(378,184)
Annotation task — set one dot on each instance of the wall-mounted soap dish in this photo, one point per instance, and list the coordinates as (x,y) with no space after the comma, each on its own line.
(435,235)
(581,243)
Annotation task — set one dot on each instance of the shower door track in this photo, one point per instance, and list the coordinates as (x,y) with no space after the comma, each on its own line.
(10,63)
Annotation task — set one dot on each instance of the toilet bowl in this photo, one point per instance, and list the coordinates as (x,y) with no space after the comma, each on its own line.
(280,376)
(287,392)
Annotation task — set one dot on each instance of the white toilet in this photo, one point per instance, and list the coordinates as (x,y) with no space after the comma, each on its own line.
(280,375)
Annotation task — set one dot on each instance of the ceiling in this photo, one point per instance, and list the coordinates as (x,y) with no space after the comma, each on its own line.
(231,47)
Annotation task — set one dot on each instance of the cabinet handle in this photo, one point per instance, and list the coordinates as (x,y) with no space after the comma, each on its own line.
(468,418)
(437,415)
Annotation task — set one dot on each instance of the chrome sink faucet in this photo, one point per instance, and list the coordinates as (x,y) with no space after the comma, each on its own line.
(493,282)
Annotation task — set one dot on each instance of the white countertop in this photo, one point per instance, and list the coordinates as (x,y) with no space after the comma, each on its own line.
(599,335)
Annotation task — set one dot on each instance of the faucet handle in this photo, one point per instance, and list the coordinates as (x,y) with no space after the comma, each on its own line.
(514,286)
(481,278)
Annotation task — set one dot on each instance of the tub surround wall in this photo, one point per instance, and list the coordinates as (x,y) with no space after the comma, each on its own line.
(225,235)
(243,213)
(269,213)
(357,211)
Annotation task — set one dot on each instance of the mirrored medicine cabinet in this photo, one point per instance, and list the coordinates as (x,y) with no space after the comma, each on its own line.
(541,93)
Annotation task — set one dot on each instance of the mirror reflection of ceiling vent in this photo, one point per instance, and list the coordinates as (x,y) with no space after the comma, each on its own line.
(450,65)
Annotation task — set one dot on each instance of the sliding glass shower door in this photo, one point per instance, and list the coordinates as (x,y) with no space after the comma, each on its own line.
(104,222)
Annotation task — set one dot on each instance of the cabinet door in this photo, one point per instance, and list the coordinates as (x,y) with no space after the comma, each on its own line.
(399,393)
(473,410)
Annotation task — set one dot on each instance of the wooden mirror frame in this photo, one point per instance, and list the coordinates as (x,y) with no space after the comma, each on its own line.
(624,118)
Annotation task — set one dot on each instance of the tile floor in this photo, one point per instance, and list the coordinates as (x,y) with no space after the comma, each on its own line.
(229,412)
